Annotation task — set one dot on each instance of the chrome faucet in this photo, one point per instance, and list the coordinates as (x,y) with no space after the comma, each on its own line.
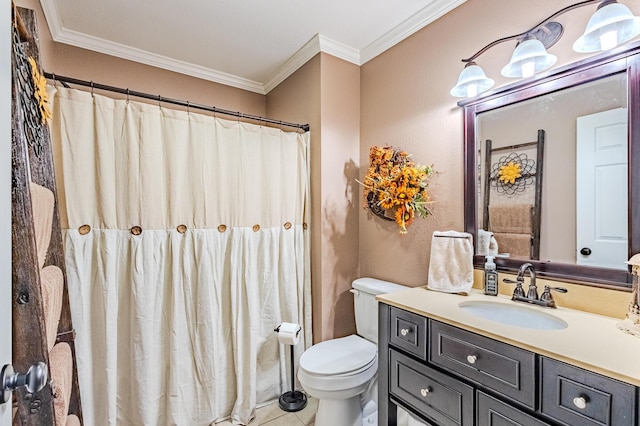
(546,299)
(532,293)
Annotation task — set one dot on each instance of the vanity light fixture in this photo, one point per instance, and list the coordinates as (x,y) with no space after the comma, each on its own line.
(529,58)
(472,80)
(611,25)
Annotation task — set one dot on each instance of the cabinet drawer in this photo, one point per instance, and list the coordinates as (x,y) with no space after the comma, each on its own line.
(409,332)
(499,366)
(442,399)
(576,396)
(493,412)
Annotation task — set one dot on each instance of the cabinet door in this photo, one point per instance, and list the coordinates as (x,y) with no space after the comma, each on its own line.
(493,412)
(579,397)
(499,366)
(440,398)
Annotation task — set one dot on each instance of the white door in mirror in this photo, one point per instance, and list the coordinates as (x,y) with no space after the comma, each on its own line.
(601,194)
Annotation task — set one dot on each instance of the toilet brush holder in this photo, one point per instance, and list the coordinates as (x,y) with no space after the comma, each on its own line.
(292,400)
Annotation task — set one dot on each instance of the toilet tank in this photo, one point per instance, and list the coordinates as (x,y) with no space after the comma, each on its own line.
(365,304)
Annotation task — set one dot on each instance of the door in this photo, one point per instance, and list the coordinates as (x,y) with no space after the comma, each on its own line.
(601,189)
(5,199)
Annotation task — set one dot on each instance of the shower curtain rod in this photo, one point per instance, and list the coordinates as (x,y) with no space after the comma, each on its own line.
(63,79)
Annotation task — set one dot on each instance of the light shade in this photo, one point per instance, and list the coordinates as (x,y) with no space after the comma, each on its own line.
(611,25)
(472,81)
(528,58)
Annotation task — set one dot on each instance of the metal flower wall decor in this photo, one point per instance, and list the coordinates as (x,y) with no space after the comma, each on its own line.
(512,173)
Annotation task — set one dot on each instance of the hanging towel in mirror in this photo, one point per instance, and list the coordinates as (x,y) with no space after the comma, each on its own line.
(511,218)
(516,245)
(451,262)
(487,244)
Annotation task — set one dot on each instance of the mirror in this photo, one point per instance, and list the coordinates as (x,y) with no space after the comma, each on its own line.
(535,131)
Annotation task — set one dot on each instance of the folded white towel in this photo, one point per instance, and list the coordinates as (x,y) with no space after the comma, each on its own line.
(487,244)
(451,262)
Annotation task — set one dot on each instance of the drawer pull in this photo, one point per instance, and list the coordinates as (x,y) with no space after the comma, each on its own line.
(425,391)
(471,359)
(405,331)
(580,402)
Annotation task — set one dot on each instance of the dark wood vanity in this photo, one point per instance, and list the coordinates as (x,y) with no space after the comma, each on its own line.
(446,375)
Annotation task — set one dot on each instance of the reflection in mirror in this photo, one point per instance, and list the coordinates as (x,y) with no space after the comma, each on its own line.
(612,82)
(574,209)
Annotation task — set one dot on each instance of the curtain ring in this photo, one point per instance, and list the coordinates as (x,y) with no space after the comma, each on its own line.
(92,88)
(159,101)
(55,82)
(188,113)
(127,95)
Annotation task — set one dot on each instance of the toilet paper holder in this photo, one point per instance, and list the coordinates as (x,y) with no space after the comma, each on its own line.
(292,400)
(277,329)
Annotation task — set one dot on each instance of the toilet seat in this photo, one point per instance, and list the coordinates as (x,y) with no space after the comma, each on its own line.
(338,364)
(339,357)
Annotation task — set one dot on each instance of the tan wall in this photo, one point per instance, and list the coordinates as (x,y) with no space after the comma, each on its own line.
(406,103)
(340,202)
(325,92)
(298,98)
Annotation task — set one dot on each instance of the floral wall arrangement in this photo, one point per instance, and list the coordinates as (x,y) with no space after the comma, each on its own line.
(395,184)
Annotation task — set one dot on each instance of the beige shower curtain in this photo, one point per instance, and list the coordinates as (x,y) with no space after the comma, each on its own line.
(186,244)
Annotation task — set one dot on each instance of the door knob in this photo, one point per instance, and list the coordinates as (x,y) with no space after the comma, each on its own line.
(34,380)
(585,251)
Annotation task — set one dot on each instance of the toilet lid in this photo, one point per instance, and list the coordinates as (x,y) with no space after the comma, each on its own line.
(338,356)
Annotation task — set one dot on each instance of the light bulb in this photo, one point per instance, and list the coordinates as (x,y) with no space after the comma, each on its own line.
(609,40)
(528,69)
(472,90)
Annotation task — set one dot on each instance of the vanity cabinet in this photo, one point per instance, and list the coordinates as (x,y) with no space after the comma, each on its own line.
(449,376)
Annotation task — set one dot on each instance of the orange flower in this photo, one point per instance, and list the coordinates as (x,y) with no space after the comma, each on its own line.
(396,184)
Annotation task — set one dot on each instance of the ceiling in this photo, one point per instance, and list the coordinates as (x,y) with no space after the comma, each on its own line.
(248,44)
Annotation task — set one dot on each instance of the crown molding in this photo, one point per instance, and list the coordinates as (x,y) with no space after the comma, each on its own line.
(415,23)
(317,44)
(77,39)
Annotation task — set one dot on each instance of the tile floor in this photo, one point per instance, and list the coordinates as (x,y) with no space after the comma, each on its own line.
(272,415)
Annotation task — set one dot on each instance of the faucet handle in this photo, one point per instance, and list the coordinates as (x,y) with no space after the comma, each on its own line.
(518,291)
(546,296)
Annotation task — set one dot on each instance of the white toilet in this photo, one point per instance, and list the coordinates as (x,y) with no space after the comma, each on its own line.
(341,373)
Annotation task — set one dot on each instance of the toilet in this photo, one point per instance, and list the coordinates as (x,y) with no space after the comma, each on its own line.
(341,373)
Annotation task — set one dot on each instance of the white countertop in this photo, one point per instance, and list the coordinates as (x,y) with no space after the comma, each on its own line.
(590,341)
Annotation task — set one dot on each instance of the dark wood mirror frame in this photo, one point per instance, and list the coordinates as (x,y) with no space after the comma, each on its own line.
(625,59)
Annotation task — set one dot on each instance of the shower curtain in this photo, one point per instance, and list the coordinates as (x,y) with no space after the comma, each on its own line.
(186,244)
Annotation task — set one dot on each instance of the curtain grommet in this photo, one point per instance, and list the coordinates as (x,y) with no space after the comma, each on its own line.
(182,229)
(287,225)
(256,228)
(222,228)
(136,230)
(305,226)
(84,229)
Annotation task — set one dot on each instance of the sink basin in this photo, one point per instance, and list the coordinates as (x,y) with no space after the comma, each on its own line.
(513,314)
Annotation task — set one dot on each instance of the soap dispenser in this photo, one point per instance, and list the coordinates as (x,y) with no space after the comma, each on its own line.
(490,277)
